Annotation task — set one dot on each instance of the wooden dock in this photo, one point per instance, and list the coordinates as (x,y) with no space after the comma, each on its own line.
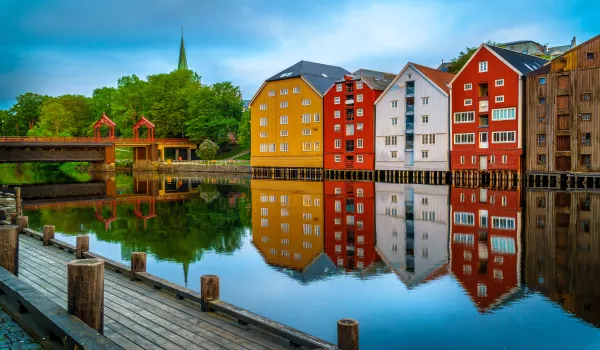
(137,315)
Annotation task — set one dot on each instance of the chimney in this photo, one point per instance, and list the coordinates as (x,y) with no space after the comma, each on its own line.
(573,42)
(545,47)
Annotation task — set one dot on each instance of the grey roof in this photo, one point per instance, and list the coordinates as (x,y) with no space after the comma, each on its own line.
(320,268)
(444,66)
(376,80)
(321,76)
(521,62)
(558,50)
(528,47)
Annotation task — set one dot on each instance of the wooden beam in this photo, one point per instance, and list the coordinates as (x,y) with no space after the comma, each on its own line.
(138,264)
(9,248)
(209,289)
(82,245)
(347,334)
(85,285)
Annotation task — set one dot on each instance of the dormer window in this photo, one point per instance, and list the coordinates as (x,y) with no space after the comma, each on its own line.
(483,66)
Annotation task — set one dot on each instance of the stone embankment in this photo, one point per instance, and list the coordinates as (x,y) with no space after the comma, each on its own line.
(8,202)
(193,167)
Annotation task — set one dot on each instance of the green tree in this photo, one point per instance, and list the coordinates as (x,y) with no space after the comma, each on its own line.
(129,103)
(7,123)
(457,63)
(27,111)
(244,129)
(101,102)
(78,107)
(207,150)
(55,120)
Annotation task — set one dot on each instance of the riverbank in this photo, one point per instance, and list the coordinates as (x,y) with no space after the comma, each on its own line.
(236,167)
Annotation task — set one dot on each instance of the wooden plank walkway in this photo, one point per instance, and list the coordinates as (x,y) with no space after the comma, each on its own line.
(137,316)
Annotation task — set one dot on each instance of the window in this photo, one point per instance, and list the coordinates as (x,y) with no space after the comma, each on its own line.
(359,85)
(296,90)
(337,143)
(469,86)
(586,139)
(464,117)
(306,245)
(360,158)
(359,112)
(500,99)
(283,133)
(391,140)
(306,132)
(306,200)
(336,100)
(305,102)
(360,208)
(467,219)
(263,121)
(264,222)
(336,114)
(468,102)
(424,154)
(542,119)
(586,159)
(542,81)
(283,104)
(283,119)
(425,100)
(359,143)
(462,159)
(492,159)
(263,134)
(287,74)
(349,129)
(271,94)
(394,154)
(590,55)
(483,66)
(504,113)
(467,269)
(586,97)
(338,206)
(503,245)
(504,159)
(425,119)
(317,117)
(473,159)
(338,158)
(283,147)
(359,126)
(306,146)
(464,238)
(283,91)
(500,82)
(542,100)
(541,140)
(428,139)
(359,98)
(464,138)
(503,223)
(264,147)
(317,146)
(306,118)
(503,136)
(360,192)
(481,290)
(586,116)
(338,87)
(394,121)
(395,104)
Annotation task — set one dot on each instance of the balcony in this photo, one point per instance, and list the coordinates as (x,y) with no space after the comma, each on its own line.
(409,145)
(350,100)
(350,116)
(483,121)
(410,127)
(410,88)
(349,148)
(483,106)
(349,88)
(410,109)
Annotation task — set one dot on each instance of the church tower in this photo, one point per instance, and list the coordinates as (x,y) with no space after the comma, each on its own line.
(182,59)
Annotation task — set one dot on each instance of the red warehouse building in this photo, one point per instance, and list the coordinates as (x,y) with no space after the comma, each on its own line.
(485,244)
(349,120)
(487,97)
(350,224)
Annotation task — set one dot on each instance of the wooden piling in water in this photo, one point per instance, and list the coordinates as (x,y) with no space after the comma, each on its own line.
(9,248)
(19,204)
(347,333)
(82,245)
(209,290)
(85,285)
(138,264)
(48,234)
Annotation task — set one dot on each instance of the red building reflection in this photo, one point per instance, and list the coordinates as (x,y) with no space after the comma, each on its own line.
(485,244)
(350,224)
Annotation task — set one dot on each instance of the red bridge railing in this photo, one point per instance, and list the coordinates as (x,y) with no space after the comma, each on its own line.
(115,140)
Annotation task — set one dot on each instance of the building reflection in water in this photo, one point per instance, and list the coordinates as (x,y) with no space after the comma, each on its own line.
(350,224)
(485,244)
(412,230)
(563,250)
(287,227)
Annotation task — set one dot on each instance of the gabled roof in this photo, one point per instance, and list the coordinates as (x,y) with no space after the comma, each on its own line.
(375,79)
(104,120)
(143,121)
(320,76)
(558,50)
(437,78)
(444,66)
(529,47)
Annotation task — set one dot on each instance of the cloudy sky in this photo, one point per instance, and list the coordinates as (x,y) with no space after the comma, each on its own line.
(73,46)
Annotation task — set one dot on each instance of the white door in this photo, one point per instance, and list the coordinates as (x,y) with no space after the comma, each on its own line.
(482,162)
(483,140)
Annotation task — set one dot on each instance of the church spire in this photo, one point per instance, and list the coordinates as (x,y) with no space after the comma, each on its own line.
(182,59)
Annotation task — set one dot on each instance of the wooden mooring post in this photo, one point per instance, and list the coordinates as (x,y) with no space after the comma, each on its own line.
(48,234)
(85,285)
(9,248)
(82,245)
(347,333)
(19,204)
(138,264)
(22,222)
(209,290)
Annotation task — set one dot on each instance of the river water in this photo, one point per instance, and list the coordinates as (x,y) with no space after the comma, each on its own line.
(416,265)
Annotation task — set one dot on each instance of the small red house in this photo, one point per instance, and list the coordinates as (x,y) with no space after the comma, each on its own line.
(350,224)
(485,244)
(349,121)
(487,117)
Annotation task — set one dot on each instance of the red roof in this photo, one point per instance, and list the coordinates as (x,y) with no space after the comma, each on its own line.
(439,78)
(104,120)
(143,121)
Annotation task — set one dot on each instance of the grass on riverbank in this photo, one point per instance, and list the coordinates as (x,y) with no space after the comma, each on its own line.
(231,152)
(243,157)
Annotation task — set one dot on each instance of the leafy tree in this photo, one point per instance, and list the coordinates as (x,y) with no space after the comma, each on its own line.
(207,150)
(101,102)
(244,129)
(78,107)
(55,120)
(7,123)
(457,63)
(129,103)
(27,111)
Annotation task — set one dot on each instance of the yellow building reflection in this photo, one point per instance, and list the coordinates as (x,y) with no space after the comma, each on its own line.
(287,224)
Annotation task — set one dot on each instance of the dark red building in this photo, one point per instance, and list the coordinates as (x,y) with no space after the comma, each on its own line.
(349,120)
(350,224)
(487,117)
(485,244)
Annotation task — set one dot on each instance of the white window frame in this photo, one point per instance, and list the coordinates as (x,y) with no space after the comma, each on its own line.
(306,132)
(464,117)
(505,113)
(359,126)
(283,91)
(468,102)
(272,147)
(394,121)
(464,218)
(483,66)
(337,114)
(263,107)
(359,98)
(306,102)
(337,127)
(317,117)
(500,99)
(283,120)
(283,133)
(500,135)
(283,104)
(503,223)
(336,100)
(425,101)
(263,134)
(306,146)
(271,93)
(359,143)
(394,104)
(337,143)
(463,139)
(296,90)
(504,159)
(424,154)
(264,121)
(360,158)
(425,119)
(499,82)
(337,158)
(306,118)
(359,112)
(283,147)
(317,146)
(338,87)
(359,85)
(468,86)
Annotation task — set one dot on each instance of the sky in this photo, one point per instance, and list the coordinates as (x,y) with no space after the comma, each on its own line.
(72,47)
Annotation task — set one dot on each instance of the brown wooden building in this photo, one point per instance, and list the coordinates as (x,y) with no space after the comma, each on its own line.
(562,259)
(563,113)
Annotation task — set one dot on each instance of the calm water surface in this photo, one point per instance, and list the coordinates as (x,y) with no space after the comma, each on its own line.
(416,265)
